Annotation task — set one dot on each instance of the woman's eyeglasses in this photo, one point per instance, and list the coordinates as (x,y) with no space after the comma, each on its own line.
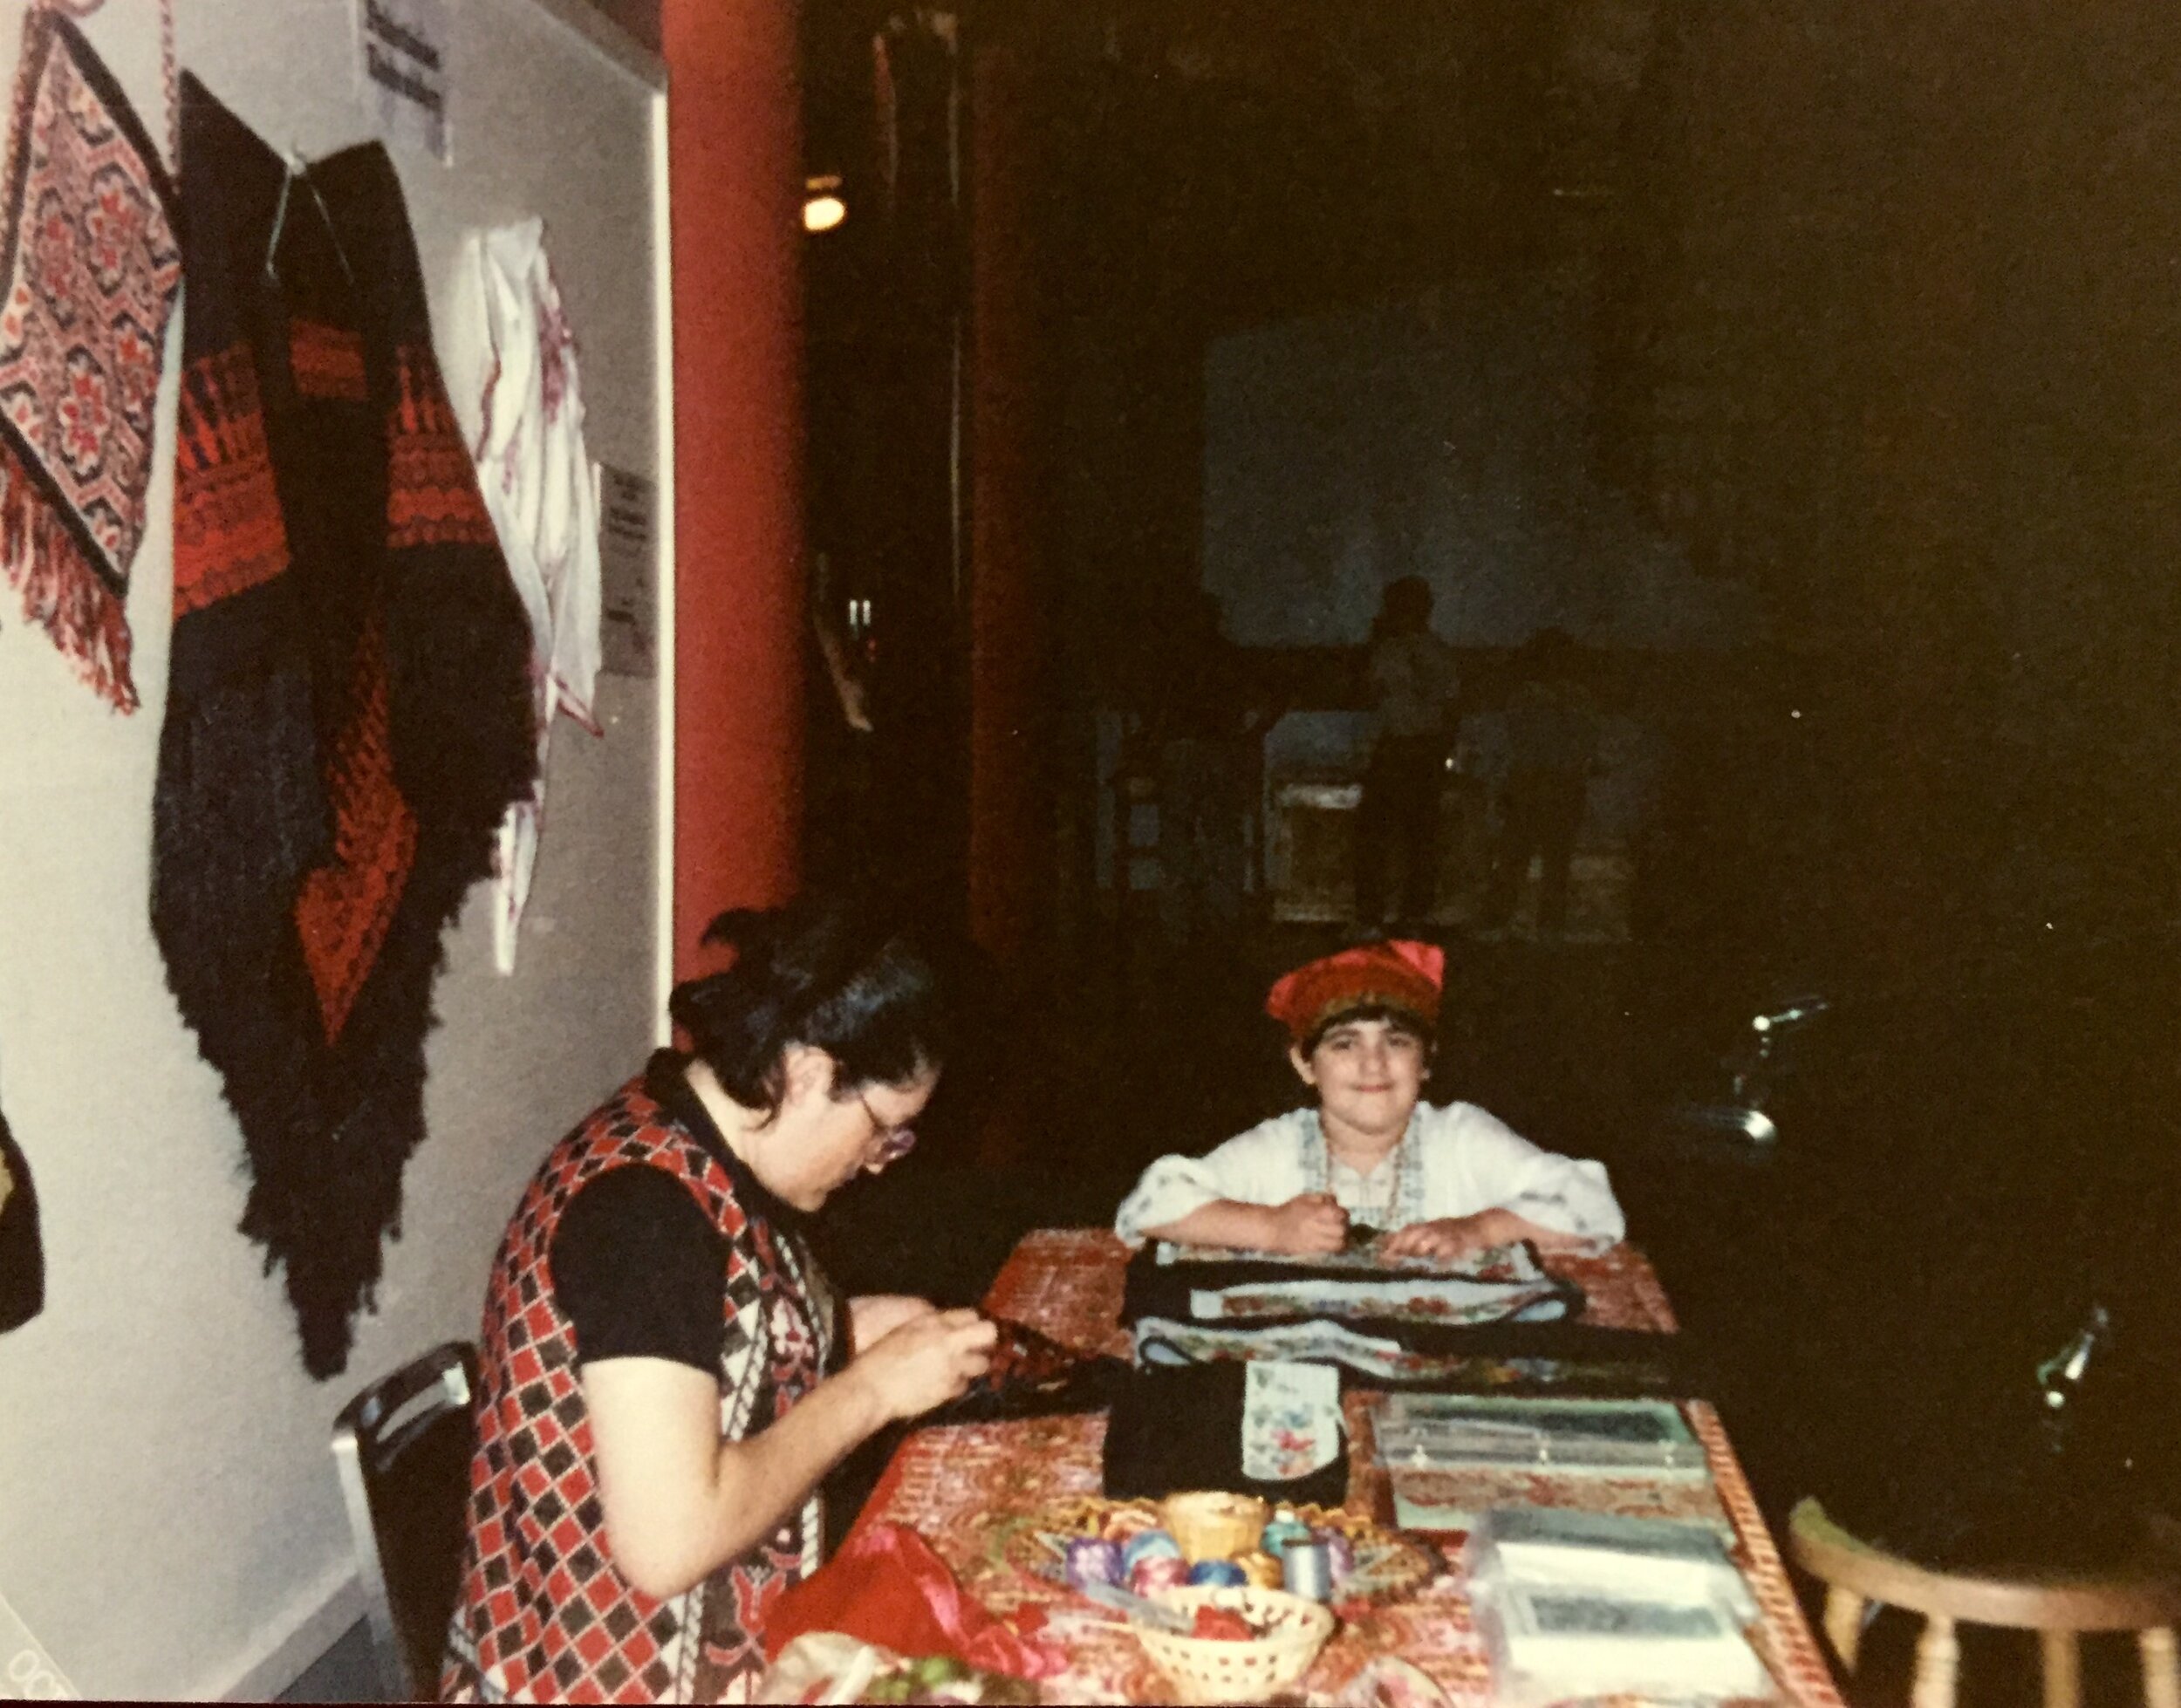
(888,1145)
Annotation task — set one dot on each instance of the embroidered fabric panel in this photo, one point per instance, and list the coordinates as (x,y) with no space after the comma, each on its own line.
(542,1613)
(346,906)
(432,497)
(229,534)
(88,279)
(327,362)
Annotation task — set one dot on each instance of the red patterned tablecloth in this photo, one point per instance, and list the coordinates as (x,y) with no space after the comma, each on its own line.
(971,1489)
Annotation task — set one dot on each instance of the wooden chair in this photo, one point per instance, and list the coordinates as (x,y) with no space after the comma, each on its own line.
(2144,1598)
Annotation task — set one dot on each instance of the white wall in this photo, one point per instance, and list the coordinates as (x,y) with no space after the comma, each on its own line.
(170,1524)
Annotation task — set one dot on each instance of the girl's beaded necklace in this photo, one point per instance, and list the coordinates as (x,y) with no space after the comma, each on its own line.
(1393,1209)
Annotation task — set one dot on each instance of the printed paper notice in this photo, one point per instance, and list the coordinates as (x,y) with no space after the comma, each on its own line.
(402,72)
(628,573)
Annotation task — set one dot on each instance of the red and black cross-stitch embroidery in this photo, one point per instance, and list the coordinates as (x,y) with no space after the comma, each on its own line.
(348,905)
(432,497)
(543,1614)
(228,533)
(348,708)
(327,362)
(87,282)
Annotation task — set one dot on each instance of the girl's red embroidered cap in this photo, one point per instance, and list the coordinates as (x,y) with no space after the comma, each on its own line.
(1400,974)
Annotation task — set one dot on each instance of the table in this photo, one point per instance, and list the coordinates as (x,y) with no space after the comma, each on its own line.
(968,1488)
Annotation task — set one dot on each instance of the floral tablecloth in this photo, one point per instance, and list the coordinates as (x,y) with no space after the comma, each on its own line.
(971,1489)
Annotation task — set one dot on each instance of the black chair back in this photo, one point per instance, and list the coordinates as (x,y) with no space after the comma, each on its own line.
(403,1448)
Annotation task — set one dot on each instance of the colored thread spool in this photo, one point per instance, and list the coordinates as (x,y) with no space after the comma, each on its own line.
(1148,1545)
(1340,1555)
(1218,1573)
(1124,1524)
(1307,1570)
(1282,1531)
(1159,1571)
(1091,1559)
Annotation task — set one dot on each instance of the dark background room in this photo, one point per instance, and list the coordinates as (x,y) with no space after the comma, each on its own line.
(1813,368)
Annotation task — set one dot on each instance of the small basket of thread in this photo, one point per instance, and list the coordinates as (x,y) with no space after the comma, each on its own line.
(1254,1641)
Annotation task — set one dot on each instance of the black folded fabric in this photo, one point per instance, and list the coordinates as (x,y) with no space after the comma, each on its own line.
(1564,1358)
(1174,1429)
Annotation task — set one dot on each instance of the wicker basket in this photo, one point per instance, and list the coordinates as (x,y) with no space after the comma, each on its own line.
(1211,1524)
(1215,1670)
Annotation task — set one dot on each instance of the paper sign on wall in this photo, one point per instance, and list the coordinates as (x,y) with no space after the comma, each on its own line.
(402,72)
(628,544)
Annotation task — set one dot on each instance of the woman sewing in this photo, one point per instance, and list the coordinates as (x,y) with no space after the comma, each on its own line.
(665,1377)
(1439,1181)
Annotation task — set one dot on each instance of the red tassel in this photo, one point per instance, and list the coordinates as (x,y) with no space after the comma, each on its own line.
(61,592)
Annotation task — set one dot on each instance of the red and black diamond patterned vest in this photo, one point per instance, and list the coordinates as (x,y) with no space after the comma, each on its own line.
(543,1614)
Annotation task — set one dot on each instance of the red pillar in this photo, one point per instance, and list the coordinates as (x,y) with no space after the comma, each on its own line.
(1010,846)
(735,175)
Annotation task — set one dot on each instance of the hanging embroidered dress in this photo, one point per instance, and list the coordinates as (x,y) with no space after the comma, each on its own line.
(541,488)
(348,709)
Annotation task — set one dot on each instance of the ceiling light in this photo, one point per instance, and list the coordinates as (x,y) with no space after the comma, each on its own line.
(823,208)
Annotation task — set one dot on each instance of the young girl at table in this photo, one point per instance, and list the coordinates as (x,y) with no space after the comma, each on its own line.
(665,1375)
(1446,1181)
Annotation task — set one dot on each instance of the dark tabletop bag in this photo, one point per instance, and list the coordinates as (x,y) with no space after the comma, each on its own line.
(1174,1429)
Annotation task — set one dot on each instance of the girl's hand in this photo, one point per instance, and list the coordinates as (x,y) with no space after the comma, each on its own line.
(1311,1222)
(1449,1239)
(926,1361)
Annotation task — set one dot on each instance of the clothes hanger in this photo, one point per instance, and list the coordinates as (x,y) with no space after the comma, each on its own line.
(296,167)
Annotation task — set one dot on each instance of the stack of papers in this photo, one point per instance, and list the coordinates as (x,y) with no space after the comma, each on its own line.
(1575,1604)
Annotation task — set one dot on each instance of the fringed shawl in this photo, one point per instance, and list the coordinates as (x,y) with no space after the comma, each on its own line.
(348,713)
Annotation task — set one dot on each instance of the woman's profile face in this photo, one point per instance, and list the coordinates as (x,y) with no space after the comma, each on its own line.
(825,1134)
(1367,1074)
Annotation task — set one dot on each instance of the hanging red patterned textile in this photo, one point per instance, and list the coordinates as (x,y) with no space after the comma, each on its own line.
(88,280)
(348,710)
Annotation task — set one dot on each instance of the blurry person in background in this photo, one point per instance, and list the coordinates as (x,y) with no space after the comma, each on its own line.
(1210,718)
(1411,687)
(1552,733)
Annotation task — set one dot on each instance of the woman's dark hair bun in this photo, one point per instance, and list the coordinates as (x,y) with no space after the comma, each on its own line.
(830,973)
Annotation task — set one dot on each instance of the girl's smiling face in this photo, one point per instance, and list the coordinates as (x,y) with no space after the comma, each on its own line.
(1367,1074)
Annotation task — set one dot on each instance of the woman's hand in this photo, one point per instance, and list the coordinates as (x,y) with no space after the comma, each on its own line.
(872,1316)
(926,1361)
(1309,1222)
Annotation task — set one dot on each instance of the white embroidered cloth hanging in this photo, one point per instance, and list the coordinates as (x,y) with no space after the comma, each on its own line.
(541,485)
